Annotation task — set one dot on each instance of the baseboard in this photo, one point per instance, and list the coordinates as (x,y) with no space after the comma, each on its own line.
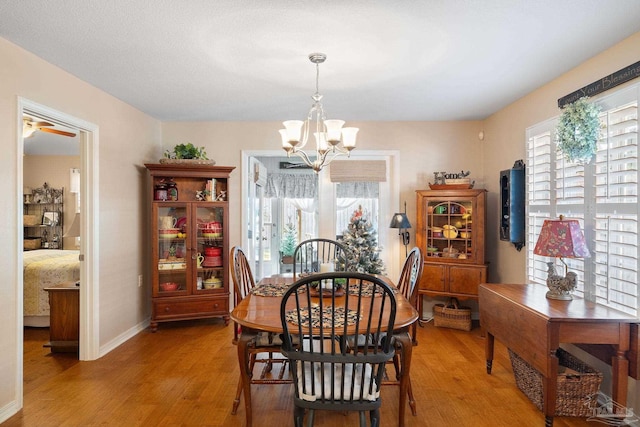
(9,410)
(123,337)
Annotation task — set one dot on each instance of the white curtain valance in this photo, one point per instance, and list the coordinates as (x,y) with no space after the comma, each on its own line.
(358,171)
(293,186)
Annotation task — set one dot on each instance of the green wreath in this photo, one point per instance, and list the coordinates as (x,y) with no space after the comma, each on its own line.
(578,131)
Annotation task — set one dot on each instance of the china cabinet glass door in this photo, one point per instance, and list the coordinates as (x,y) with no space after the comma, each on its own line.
(209,255)
(172,249)
(449,229)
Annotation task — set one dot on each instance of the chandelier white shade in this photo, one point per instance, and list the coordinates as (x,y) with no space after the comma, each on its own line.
(331,139)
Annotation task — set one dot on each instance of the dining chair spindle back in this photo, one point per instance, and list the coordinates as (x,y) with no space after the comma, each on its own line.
(310,255)
(409,278)
(318,313)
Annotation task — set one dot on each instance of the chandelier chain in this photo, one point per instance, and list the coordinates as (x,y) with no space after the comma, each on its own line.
(317,79)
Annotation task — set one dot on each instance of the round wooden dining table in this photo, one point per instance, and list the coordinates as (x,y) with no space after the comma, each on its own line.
(256,313)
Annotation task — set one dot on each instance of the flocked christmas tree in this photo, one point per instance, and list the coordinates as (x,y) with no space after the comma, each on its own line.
(361,239)
(289,240)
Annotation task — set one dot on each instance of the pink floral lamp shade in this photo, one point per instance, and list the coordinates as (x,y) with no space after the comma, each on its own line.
(561,238)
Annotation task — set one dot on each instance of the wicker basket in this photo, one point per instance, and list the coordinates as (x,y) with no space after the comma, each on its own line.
(451,315)
(575,389)
(30,220)
(31,243)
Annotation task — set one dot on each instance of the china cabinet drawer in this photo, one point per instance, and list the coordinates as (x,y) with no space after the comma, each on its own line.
(191,307)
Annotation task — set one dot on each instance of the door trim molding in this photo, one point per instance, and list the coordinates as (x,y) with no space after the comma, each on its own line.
(89,249)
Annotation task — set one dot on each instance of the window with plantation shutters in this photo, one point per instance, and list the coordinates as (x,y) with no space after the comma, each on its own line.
(602,195)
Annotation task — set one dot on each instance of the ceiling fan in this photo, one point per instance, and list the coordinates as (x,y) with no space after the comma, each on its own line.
(29,127)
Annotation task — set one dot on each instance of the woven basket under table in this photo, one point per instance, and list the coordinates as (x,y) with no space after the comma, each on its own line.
(576,393)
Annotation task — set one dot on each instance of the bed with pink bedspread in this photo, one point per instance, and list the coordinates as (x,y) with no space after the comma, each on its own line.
(44,268)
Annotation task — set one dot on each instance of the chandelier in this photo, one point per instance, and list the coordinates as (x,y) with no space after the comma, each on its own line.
(332,140)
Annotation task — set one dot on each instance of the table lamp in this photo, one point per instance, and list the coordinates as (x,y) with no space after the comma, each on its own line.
(401,221)
(74,230)
(561,238)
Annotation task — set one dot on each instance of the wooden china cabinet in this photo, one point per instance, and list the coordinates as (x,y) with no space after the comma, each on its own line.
(451,235)
(190,241)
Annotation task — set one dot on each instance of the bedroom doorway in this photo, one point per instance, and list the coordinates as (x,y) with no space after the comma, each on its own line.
(88,250)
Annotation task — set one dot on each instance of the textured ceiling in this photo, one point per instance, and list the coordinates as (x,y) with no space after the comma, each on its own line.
(387,60)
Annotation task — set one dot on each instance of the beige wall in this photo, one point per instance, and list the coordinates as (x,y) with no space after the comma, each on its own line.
(54,170)
(127,138)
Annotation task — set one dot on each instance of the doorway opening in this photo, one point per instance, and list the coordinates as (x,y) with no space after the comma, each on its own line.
(88,249)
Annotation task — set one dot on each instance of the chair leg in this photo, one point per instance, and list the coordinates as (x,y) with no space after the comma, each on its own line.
(236,333)
(298,417)
(414,335)
(312,416)
(363,420)
(396,365)
(236,401)
(269,363)
(375,417)
(412,401)
(252,363)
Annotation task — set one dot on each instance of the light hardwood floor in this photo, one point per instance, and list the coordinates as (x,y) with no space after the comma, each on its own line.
(186,373)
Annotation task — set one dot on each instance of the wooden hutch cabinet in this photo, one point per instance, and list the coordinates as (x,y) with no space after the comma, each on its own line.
(451,235)
(190,242)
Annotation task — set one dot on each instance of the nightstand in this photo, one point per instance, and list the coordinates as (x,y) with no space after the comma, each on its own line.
(64,329)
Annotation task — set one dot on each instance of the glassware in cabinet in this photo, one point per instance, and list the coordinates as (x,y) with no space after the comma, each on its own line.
(449,225)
